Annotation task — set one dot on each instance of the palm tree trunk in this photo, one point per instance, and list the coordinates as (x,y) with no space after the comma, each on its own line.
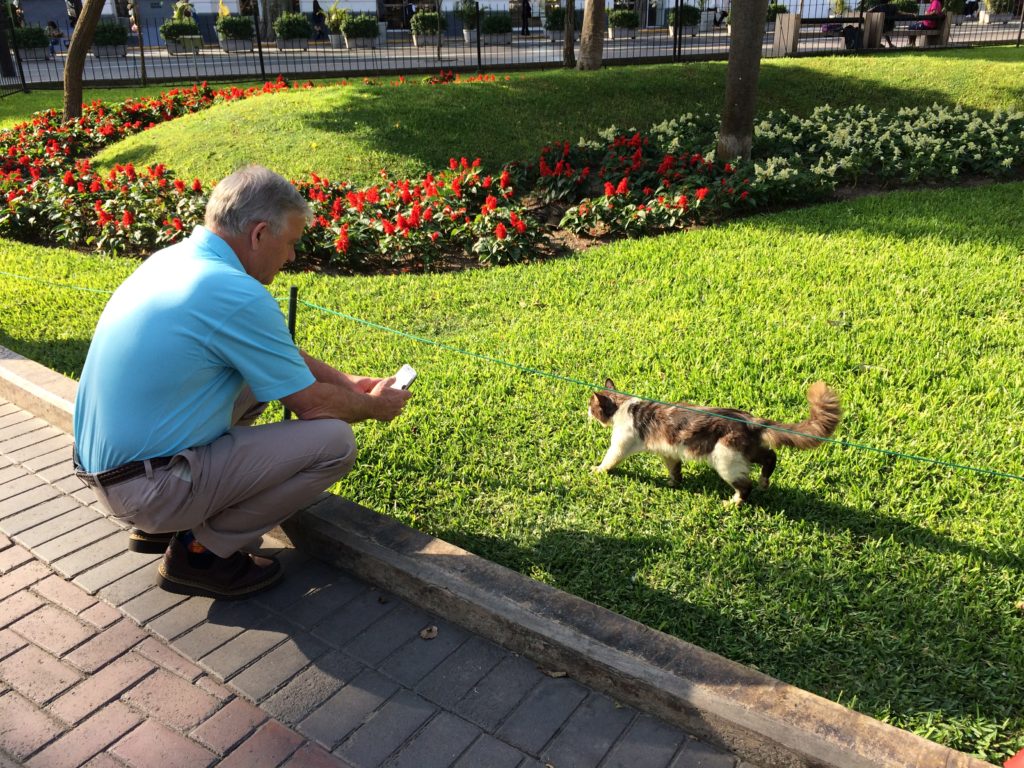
(592,35)
(569,36)
(74,62)
(736,135)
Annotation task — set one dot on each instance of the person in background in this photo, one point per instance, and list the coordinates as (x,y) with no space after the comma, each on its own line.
(319,22)
(185,356)
(55,35)
(934,9)
(74,10)
(525,12)
(889,24)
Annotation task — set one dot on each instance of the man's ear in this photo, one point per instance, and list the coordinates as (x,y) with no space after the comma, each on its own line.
(258,231)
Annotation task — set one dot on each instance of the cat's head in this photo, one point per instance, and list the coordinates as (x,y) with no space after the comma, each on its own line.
(605,403)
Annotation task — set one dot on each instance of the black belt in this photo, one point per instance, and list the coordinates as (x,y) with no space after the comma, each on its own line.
(124,472)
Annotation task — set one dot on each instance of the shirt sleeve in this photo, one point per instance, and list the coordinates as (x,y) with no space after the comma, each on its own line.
(254,340)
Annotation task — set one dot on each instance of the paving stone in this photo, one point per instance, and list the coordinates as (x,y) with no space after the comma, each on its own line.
(183,617)
(53,629)
(381,735)
(346,710)
(312,755)
(56,527)
(242,650)
(171,700)
(387,634)
(151,738)
(23,727)
(41,447)
(103,760)
(27,433)
(89,556)
(58,471)
(700,754)
(169,659)
(12,557)
(267,673)
(30,518)
(18,605)
(10,642)
(57,455)
(314,591)
(63,593)
(4,542)
(31,496)
(100,688)
(268,747)
(647,743)
(417,658)
(539,716)
(499,692)
(109,571)
(11,471)
(488,751)
(108,645)
(214,688)
(69,484)
(83,742)
(438,745)
(100,615)
(21,577)
(339,627)
(86,496)
(589,733)
(455,676)
(312,687)
(37,675)
(205,638)
(53,550)
(150,603)
(129,586)
(228,726)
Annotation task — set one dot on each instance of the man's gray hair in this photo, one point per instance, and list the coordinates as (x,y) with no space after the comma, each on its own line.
(253,194)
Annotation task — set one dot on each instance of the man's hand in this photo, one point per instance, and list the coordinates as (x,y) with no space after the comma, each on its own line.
(388,402)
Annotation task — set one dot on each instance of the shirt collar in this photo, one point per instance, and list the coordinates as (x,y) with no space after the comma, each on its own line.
(204,239)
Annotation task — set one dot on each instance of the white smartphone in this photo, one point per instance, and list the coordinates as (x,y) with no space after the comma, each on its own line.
(406,375)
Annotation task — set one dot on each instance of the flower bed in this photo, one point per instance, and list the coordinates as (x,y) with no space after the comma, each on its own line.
(625,183)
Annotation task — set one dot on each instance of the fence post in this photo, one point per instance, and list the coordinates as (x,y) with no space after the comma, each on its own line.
(133,18)
(259,41)
(479,55)
(293,300)
(677,34)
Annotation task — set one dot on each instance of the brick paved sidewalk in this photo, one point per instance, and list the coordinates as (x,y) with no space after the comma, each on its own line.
(99,667)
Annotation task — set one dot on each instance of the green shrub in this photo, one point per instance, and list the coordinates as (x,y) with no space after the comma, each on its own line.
(999,6)
(623,18)
(293,26)
(467,11)
(906,6)
(554,19)
(953,6)
(361,25)
(426,23)
(496,23)
(335,19)
(110,33)
(689,16)
(30,37)
(774,9)
(234,27)
(172,31)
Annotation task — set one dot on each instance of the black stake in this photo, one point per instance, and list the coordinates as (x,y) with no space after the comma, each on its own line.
(293,300)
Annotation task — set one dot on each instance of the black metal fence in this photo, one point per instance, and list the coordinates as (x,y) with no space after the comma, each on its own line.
(148,58)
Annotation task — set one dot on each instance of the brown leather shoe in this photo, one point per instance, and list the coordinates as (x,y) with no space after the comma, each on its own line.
(229,578)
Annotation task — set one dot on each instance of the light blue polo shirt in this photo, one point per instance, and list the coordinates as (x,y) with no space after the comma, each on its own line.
(172,350)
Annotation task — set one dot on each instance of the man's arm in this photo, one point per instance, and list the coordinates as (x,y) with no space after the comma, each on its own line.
(337,395)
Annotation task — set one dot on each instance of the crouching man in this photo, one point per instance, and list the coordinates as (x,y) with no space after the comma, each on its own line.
(185,356)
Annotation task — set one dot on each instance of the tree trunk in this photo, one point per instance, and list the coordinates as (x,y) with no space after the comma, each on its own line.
(74,62)
(592,36)
(569,36)
(736,135)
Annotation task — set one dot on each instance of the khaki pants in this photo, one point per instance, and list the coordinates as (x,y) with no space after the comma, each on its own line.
(232,491)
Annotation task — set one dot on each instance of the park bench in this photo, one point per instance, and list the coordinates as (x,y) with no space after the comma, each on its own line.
(920,38)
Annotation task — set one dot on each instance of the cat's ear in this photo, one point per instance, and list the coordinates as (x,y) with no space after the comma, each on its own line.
(609,384)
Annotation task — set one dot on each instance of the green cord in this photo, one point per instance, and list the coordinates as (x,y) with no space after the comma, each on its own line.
(587,384)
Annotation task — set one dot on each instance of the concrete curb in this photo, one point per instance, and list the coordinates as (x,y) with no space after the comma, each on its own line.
(759,718)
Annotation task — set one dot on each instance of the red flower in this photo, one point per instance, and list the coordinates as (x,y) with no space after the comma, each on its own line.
(176,223)
(69,178)
(623,187)
(341,244)
(609,189)
(197,185)
(504,179)
(127,219)
(500,232)
(179,185)
(702,193)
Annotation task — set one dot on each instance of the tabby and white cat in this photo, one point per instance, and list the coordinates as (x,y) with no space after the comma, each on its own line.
(731,441)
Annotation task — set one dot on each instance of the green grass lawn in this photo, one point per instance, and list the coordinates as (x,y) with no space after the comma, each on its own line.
(888,584)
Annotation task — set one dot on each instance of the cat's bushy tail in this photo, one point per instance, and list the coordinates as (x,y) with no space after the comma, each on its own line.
(825,414)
